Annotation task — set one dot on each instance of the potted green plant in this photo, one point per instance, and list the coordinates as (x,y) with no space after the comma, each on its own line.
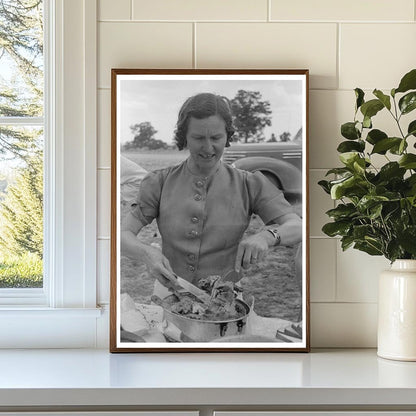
(376,206)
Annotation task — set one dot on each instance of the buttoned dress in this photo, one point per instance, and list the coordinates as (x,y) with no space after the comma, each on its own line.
(202,219)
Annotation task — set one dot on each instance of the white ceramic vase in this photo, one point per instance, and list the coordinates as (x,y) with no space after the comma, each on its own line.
(397,312)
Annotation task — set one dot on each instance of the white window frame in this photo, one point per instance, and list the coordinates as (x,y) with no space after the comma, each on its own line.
(64,313)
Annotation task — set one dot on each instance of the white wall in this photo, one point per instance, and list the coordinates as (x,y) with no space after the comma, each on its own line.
(345,44)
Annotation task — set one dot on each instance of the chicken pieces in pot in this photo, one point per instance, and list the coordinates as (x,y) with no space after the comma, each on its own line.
(222,307)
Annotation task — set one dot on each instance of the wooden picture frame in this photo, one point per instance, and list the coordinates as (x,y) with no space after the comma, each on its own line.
(271,310)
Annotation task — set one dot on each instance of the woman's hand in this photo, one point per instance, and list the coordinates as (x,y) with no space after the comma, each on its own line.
(158,265)
(252,250)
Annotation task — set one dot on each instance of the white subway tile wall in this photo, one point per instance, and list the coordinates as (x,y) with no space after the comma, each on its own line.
(323,269)
(349,325)
(114,10)
(344,44)
(201,10)
(376,55)
(103,270)
(104,202)
(144,45)
(104,128)
(357,275)
(355,10)
(270,45)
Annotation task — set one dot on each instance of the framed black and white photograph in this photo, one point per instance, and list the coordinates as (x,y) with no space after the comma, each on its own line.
(209,211)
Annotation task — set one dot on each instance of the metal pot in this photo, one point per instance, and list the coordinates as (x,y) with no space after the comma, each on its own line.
(200,330)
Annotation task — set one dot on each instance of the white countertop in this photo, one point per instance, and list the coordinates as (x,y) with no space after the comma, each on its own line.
(96,377)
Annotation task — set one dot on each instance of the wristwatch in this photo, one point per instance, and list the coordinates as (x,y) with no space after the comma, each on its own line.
(276,235)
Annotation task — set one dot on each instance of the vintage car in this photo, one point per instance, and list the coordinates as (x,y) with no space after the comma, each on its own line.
(280,162)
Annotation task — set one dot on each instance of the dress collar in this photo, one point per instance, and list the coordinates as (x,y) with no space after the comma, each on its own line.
(219,165)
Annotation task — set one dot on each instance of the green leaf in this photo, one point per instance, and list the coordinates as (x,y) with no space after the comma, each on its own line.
(371,108)
(349,146)
(385,99)
(408,161)
(359,95)
(349,131)
(391,170)
(375,135)
(361,231)
(359,165)
(411,183)
(408,102)
(369,201)
(393,92)
(346,242)
(393,250)
(411,130)
(383,145)
(375,212)
(367,122)
(398,149)
(325,186)
(369,248)
(338,171)
(342,211)
(348,158)
(348,187)
(407,239)
(333,229)
(408,82)
(402,147)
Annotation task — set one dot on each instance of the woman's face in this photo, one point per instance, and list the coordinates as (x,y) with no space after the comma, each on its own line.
(206,139)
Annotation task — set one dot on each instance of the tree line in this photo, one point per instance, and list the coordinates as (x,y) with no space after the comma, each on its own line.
(21,95)
(251,114)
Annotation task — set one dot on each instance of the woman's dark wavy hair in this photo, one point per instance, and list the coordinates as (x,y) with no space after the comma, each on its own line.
(202,106)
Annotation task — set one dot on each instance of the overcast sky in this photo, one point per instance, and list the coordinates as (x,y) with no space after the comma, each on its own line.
(159,101)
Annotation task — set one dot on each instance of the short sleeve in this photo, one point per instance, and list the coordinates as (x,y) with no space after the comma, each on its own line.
(267,201)
(146,208)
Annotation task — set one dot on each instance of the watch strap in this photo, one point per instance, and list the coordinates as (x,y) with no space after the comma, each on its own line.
(275,233)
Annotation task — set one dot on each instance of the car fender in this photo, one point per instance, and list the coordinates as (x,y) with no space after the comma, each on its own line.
(288,176)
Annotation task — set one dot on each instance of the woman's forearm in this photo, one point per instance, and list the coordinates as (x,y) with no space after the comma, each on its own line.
(289,230)
(131,246)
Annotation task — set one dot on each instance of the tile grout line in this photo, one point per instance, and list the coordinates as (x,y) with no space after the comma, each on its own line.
(269,11)
(131,9)
(338,63)
(335,248)
(308,22)
(194,62)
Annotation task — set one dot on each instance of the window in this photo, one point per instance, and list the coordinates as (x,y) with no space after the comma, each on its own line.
(22,128)
(63,312)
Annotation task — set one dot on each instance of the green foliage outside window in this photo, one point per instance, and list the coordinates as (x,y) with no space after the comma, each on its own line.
(21,147)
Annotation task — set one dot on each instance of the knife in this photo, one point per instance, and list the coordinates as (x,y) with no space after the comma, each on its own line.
(196,291)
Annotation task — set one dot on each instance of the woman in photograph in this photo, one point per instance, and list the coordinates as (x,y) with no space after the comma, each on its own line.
(203,206)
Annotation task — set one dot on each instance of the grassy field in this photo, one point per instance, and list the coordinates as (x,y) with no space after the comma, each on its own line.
(271,282)
(21,272)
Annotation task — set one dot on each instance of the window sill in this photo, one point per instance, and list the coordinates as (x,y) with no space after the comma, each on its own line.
(39,327)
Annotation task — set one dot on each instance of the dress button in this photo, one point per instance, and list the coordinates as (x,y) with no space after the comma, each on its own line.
(197,197)
(195,220)
(193,233)
(191,268)
(199,184)
(191,256)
